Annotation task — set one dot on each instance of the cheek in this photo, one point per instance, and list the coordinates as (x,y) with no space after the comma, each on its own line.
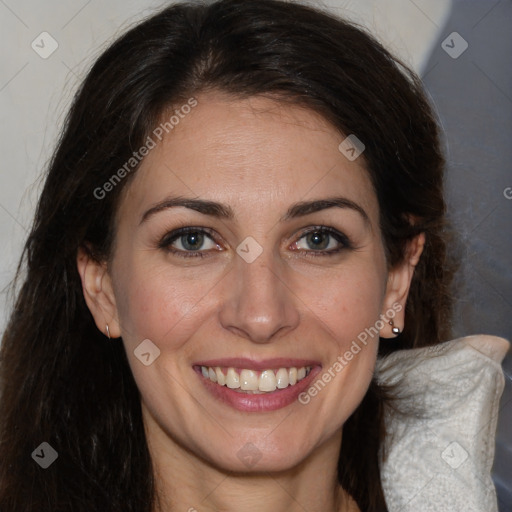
(159,303)
(165,306)
(349,307)
(348,301)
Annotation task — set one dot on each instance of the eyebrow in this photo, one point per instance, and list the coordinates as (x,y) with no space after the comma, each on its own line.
(222,211)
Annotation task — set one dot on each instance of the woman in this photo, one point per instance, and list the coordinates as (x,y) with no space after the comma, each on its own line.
(243,194)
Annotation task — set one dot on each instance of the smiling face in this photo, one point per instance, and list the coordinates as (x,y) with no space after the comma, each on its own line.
(281,267)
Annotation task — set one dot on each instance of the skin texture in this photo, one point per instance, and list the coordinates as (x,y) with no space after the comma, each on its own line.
(258,157)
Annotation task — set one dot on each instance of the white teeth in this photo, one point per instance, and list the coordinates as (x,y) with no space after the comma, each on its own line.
(251,381)
(221,378)
(268,381)
(292,376)
(248,380)
(232,379)
(282,378)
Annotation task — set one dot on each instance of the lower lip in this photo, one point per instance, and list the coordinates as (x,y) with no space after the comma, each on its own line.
(248,402)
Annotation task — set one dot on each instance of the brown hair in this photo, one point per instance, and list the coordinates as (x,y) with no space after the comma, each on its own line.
(60,381)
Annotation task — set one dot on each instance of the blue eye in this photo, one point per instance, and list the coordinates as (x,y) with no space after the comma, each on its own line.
(188,242)
(323,241)
(192,241)
(198,242)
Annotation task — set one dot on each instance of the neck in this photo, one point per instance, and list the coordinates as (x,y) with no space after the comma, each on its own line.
(185,482)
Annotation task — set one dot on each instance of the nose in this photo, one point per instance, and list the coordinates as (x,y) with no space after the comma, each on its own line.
(258,305)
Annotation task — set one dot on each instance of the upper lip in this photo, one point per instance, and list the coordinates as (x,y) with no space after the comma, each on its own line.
(258,365)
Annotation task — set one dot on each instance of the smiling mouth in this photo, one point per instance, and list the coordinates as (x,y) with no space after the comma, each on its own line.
(248,381)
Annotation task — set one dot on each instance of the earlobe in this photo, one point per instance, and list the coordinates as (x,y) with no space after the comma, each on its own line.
(397,289)
(98,293)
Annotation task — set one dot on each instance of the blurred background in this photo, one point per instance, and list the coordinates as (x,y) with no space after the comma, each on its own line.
(461,48)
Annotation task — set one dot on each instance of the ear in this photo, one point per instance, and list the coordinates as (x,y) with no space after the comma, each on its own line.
(98,293)
(398,285)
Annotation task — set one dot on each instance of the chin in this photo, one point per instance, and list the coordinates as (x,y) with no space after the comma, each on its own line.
(260,456)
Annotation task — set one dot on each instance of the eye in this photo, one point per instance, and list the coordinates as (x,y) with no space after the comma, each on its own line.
(189,241)
(197,242)
(323,241)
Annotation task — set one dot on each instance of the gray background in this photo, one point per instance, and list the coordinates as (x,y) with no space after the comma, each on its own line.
(473,95)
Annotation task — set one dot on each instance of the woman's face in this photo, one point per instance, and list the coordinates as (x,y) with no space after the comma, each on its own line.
(281,269)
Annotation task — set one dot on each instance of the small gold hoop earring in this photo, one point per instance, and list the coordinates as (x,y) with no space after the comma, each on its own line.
(108,331)
(394,330)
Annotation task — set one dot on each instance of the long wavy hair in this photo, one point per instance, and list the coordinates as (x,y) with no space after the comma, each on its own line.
(61,380)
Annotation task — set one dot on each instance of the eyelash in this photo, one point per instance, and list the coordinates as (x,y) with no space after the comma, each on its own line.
(170,238)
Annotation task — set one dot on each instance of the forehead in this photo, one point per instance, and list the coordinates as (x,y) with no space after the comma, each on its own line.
(254,152)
